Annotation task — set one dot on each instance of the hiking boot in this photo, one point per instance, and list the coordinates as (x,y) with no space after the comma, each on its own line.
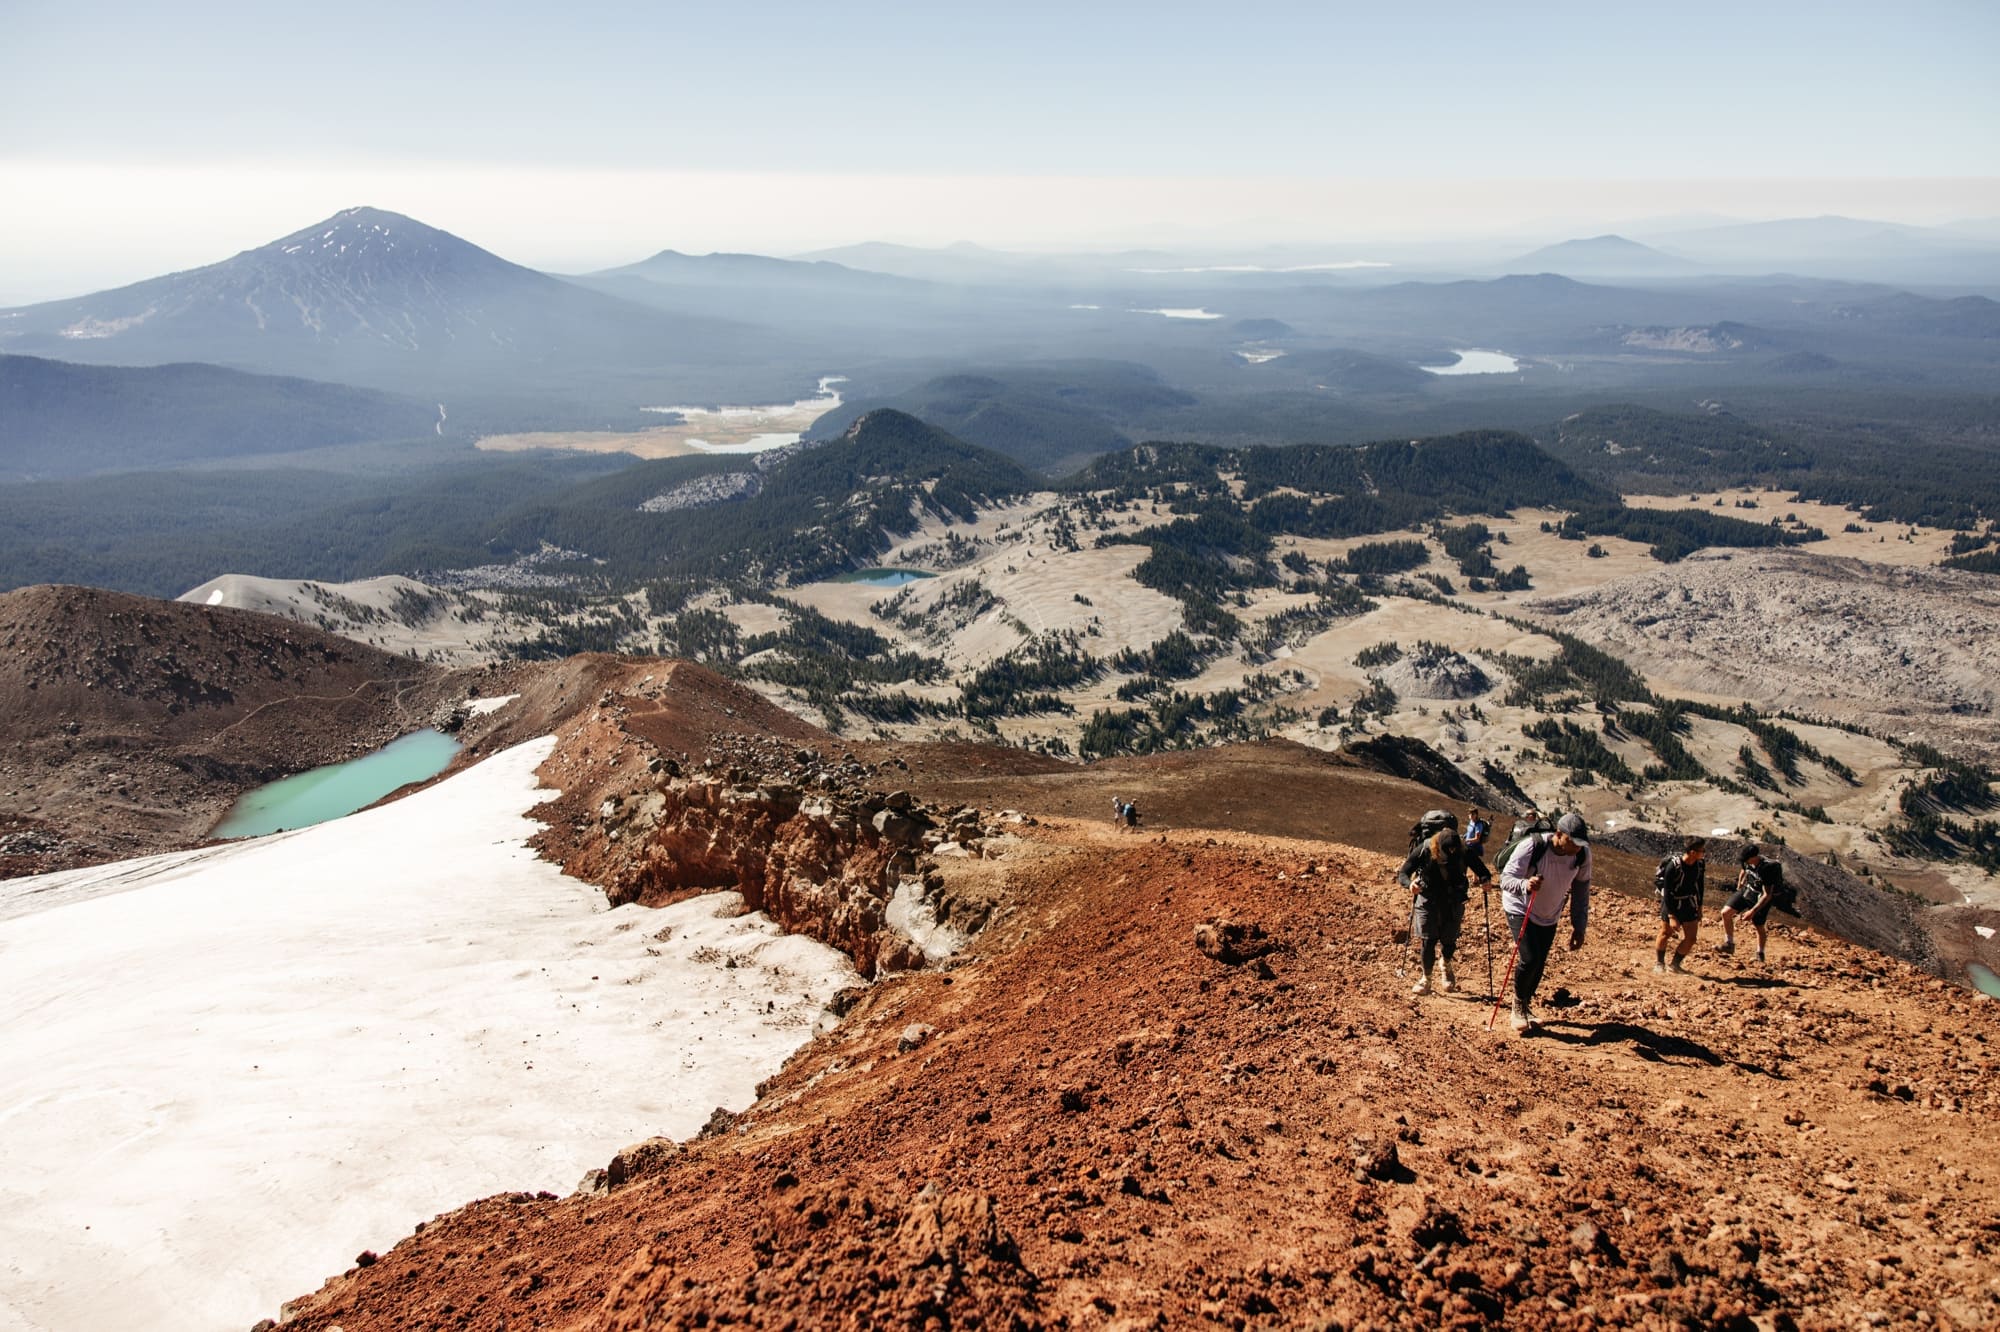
(1423,985)
(1450,985)
(1659,968)
(1727,948)
(1521,1019)
(1677,968)
(1760,955)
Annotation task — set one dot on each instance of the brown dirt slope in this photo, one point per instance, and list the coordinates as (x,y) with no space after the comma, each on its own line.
(128,724)
(1095,1121)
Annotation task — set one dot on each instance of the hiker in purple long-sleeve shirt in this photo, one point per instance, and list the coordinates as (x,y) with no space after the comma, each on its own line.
(1546,872)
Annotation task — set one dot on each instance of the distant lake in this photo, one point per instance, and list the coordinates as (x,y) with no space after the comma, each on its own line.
(1474,362)
(338,789)
(1982,976)
(1181,312)
(883,577)
(734,429)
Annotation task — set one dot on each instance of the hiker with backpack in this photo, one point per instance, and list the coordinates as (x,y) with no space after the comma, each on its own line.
(1680,882)
(1435,872)
(1752,900)
(1476,829)
(1544,873)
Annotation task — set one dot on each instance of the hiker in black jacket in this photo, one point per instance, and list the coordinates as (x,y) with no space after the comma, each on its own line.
(1752,901)
(1681,882)
(1435,871)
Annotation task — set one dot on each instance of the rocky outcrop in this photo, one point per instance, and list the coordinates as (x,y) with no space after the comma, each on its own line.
(1408,757)
(1430,670)
(827,847)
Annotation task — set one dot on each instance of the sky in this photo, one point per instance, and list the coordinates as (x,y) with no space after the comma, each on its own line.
(137,137)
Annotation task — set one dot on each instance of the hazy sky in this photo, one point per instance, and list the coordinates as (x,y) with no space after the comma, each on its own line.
(136,137)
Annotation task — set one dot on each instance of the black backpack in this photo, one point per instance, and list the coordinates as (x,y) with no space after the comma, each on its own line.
(1430,825)
(1523,830)
(1667,878)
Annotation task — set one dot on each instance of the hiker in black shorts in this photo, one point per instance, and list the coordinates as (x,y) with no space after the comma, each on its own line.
(1680,882)
(1752,901)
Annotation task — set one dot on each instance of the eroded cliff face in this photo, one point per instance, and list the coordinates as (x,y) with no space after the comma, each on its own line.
(829,847)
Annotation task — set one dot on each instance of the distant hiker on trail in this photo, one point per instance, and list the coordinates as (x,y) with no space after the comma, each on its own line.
(1435,871)
(1131,813)
(1476,829)
(1752,900)
(1681,881)
(1526,826)
(1544,872)
(1124,813)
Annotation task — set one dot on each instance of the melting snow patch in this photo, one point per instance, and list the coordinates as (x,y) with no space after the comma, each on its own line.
(913,918)
(214,598)
(254,1061)
(1984,931)
(479,707)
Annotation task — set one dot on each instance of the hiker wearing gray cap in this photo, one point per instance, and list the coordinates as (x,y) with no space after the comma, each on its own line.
(1543,874)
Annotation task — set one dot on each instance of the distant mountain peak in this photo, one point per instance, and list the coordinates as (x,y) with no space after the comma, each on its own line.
(1598,255)
(358,238)
(367,296)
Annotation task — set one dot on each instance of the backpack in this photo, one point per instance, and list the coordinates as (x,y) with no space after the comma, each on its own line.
(1784,896)
(1430,825)
(1523,830)
(1677,882)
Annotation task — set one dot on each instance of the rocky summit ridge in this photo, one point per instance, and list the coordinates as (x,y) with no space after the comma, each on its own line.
(1175,1077)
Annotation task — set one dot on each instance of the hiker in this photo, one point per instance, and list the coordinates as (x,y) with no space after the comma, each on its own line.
(1476,829)
(1435,871)
(1544,872)
(1680,882)
(1131,813)
(1526,826)
(1752,900)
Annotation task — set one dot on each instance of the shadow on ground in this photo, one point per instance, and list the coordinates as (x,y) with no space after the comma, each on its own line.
(1645,1042)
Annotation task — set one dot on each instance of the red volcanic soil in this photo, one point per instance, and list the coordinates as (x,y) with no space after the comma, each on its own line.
(1178,1079)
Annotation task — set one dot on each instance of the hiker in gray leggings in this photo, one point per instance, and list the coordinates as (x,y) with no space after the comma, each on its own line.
(1435,871)
(1545,872)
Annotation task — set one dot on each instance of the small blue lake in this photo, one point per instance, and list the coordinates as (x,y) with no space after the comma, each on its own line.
(1982,976)
(338,789)
(883,577)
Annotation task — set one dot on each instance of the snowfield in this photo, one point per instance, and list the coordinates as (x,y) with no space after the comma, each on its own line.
(224,1073)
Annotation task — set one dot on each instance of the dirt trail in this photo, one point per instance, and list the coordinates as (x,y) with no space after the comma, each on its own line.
(1092,1122)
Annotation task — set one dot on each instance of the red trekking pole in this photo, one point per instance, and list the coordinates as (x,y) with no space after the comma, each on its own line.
(1508,975)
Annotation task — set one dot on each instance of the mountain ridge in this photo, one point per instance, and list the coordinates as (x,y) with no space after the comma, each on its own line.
(373,298)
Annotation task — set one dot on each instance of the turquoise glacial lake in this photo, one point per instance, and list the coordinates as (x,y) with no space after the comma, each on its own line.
(338,789)
(1983,977)
(883,577)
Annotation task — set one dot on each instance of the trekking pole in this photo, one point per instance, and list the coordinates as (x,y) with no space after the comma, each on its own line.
(1486,901)
(1508,975)
(1410,948)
